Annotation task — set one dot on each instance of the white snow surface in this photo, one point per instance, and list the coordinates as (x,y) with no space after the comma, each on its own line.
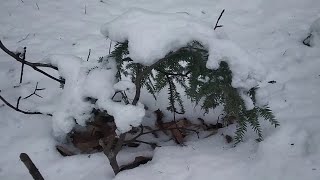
(267,32)
(152,35)
(89,79)
(125,85)
(315,32)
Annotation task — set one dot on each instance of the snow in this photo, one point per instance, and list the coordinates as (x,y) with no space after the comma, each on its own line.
(19,50)
(315,32)
(268,32)
(152,35)
(125,116)
(89,79)
(125,85)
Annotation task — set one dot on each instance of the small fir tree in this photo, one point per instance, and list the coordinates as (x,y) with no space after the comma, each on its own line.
(208,88)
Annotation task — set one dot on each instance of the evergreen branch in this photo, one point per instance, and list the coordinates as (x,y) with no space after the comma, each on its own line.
(241,130)
(267,114)
(254,123)
(146,71)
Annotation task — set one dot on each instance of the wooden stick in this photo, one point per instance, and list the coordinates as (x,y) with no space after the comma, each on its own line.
(33,170)
(22,63)
(89,55)
(216,26)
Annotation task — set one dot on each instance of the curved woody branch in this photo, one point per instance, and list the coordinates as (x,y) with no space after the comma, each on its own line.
(34,66)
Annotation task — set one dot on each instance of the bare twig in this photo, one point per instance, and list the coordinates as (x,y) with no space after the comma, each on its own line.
(33,170)
(217,26)
(19,110)
(24,38)
(18,102)
(89,55)
(23,57)
(35,92)
(35,66)
(306,41)
(183,12)
(153,145)
(134,139)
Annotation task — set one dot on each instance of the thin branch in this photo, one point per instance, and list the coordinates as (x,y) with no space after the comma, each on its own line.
(18,102)
(16,57)
(89,55)
(35,66)
(217,26)
(306,41)
(23,57)
(35,92)
(161,129)
(114,95)
(19,110)
(110,47)
(153,145)
(24,38)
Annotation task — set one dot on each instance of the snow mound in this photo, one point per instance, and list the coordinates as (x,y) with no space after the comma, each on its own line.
(85,80)
(125,85)
(152,35)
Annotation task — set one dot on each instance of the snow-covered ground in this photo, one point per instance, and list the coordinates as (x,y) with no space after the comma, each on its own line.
(270,31)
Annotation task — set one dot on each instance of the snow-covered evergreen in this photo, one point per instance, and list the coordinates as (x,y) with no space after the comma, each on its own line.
(261,41)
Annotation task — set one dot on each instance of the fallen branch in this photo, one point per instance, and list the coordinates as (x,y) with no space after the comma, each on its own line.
(34,66)
(19,110)
(23,57)
(33,170)
(134,139)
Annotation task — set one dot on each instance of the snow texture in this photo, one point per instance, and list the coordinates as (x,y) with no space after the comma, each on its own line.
(85,80)
(270,32)
(125,85)
(152,35)
(315,33)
